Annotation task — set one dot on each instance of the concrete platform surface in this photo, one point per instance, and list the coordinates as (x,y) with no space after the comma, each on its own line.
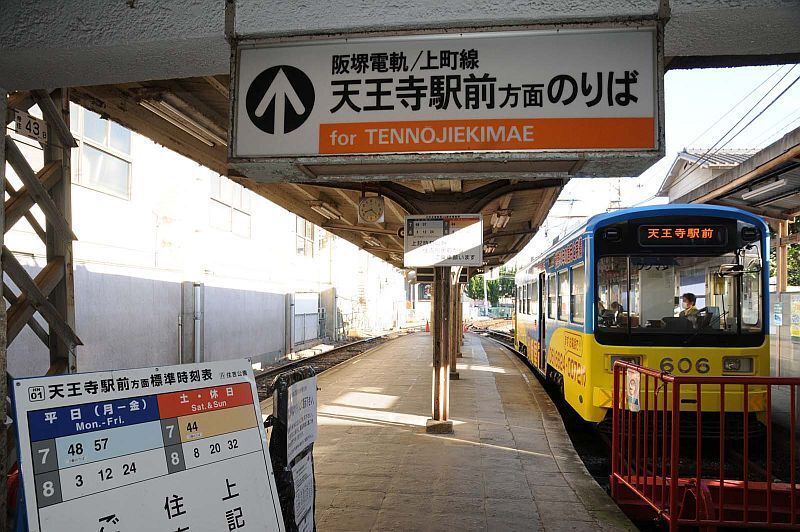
(508,466)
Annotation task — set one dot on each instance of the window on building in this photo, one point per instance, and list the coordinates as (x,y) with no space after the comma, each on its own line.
(102,160)
(305,237)
(577,294)
(563,293)
(229,208)
(551,296)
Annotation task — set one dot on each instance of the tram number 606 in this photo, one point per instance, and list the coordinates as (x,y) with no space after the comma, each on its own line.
(684,365)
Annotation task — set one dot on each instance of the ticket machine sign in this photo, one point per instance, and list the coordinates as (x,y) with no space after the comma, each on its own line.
(172,448)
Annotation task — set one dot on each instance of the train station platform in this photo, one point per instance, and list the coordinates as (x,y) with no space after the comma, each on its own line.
(508,466)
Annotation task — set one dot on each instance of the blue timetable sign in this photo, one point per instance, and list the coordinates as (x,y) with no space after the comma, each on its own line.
(68,420)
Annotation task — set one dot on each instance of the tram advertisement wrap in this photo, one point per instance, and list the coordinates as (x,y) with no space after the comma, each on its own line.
(170,448)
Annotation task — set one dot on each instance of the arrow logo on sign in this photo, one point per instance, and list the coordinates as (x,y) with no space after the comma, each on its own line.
(280,90)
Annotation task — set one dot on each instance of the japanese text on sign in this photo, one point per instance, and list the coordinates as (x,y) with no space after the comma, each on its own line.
(458,92)
(443,240)
(682,235)
(179,448)
(301,422)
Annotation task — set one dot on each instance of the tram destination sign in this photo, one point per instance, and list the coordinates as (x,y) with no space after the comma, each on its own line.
(683,235)
(590,89)
(171,448)
(443,240)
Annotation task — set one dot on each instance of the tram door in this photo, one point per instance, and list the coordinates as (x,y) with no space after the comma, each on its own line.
(542,364)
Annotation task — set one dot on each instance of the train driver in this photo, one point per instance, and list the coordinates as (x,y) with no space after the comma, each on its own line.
(689,300)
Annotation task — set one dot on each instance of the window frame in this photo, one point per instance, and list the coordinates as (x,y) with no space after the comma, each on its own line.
(77,127)
(552,301)
(308,241)
(572,294)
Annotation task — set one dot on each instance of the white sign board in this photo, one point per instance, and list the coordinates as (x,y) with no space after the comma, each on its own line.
(632,385)
(443,240)
(592,89)
(301,422)
(30,126)
(303,479)
(171,448)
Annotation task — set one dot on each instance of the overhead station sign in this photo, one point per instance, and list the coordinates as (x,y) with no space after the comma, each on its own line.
(443,240)
(178,448)
(555,90)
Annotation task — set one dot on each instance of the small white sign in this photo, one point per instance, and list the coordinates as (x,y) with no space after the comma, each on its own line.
(632,384)
(301,422)
(443,240)
(30,126)
(169,448)
(778,314)
(303,478)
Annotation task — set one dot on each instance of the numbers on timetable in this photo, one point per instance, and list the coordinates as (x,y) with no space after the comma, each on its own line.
(214,448)
(75,449)
(48,489)
(196,452)
(101,444)
(175,458)
(191,426)
(129,469)
(45,453)
(106,474)
(233,444)
(170,428)
(78,481)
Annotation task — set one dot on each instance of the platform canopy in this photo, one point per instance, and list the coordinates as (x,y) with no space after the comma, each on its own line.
(190,116)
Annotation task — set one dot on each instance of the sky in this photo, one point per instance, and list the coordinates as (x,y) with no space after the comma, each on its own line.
(700,107)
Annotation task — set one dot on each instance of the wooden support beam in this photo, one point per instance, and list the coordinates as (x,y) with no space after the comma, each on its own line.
(6,435)
(21,101)
(218,86)
(32,323)
(439,422)
(38,299)
(54,118)
(58,246)
(21,311)
(35,188)
(28,214)
(17,206)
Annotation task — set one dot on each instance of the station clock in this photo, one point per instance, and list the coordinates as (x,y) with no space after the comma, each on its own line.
(370,209)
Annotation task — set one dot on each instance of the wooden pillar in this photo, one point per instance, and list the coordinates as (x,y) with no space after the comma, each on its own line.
(3,337)
(781,256)
(439,422)
(58,245)
(460,319)
(453,329)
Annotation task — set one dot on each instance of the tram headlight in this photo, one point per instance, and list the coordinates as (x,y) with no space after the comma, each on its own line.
(630,359)
(737,364)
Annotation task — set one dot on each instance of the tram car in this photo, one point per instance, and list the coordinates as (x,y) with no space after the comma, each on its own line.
(677,288)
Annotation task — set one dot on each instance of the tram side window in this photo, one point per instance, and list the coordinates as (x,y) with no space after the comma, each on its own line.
(577,294)
(528,298)
(551,296)
(534,299)
(563,293)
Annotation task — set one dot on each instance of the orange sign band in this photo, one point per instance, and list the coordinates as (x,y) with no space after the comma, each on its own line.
(200,400)
(488,135)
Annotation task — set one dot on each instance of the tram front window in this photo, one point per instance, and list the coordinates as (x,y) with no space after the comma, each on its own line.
(680,295)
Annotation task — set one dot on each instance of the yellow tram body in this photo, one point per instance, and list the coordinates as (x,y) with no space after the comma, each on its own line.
(578,354)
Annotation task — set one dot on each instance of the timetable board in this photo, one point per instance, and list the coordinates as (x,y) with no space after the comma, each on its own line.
(170,449)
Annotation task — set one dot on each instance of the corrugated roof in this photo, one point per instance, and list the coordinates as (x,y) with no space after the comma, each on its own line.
(717,158)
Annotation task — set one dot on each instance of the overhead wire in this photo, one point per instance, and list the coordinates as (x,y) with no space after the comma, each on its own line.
(737,104)
(711,151)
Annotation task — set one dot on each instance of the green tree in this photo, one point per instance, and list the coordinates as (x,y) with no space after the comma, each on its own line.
(495,288)
(793,258)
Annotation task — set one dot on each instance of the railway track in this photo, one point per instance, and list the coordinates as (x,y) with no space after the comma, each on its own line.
(322,361)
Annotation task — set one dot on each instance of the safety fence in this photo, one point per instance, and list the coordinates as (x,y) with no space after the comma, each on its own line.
(725,464)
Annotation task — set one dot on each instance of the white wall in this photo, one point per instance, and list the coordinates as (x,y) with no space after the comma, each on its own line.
(132,255)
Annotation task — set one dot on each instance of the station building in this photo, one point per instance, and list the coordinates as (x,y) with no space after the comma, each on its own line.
(156,230)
